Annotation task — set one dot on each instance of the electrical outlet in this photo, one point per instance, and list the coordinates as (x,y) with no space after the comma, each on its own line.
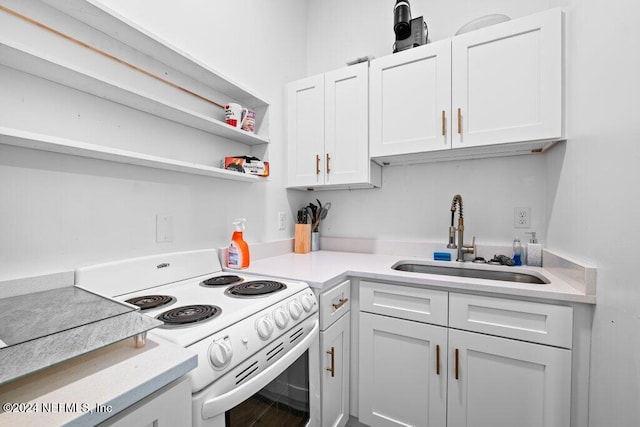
(282,221)
(164,228)
(522,217)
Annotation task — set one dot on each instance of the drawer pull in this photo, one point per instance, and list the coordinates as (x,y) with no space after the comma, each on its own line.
(340,303)
(332,369)
(460,121)
(317,164)
(444,123)
(457,364)
(327,165)
(437,360)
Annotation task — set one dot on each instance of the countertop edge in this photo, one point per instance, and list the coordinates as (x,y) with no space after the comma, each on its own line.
(134,395)
(118,375)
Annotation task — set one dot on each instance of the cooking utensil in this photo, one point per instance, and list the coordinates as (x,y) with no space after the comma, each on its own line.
(302,216)
(325,210)
(311,210)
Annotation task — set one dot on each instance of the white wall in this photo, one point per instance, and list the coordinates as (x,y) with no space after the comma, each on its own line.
(414,202)
(58,212)
(592,199)
(582,193)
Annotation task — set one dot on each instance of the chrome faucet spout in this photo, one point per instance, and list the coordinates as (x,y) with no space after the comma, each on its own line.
(456,204)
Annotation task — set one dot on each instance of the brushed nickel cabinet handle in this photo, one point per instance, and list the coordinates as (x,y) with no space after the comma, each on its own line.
(317,164)
(437,360)
(457,364)
(332,369)
(460,121)
(340,303)
(444,123)
(328,159)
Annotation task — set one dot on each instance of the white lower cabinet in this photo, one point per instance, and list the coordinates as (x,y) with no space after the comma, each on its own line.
(335,336)
(503,382)
(413,373)
(403,380)
(334,345)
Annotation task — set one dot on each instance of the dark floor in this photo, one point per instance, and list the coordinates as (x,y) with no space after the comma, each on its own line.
(353,422)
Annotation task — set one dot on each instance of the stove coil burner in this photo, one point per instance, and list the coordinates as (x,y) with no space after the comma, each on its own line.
(189,314)
(256,288)
(222,280)
(147,302)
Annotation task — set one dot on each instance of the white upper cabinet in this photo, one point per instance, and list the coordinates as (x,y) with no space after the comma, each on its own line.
(411,100)
(507,82)
(305,131)
(346,126)
(327,130)
(493,91)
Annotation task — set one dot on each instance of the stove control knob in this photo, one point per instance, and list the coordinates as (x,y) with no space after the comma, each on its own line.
(281,317)
(308,301)
(220,353)
(264,326)
(295,309)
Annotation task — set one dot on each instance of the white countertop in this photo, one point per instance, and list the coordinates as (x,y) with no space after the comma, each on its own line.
(323,269)
(112,377)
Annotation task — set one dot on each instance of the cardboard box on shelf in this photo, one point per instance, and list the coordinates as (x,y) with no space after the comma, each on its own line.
(247,164)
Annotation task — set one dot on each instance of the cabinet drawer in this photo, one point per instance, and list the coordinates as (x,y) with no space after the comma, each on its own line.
(334,303)
(419,304)
(523,320)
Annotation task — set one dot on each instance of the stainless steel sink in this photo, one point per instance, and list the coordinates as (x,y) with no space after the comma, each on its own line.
(476,273)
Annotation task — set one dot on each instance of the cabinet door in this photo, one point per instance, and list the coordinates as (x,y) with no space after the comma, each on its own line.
(503,382)
(334,347)
(401,382)
(305,131)
(507,82)
(410,100)
(346,138)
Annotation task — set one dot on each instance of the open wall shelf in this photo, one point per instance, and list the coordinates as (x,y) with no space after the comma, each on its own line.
(49,67)
(20,138)
(84,45)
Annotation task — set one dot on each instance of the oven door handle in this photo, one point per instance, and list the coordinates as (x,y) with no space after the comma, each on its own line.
(220,404)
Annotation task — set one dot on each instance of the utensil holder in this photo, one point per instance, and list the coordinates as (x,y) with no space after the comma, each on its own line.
(315,241)
(302,243)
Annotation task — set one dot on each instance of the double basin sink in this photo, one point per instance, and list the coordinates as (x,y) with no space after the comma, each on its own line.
(471,272)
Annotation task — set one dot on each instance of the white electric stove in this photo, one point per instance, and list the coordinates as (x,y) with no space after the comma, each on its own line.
(247,331)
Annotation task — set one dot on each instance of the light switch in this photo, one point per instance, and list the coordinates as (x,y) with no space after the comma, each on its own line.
(164,228)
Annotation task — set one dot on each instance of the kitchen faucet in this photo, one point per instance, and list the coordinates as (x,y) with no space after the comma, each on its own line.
(462,248)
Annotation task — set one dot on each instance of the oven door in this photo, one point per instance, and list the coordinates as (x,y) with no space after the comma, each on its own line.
(286,393)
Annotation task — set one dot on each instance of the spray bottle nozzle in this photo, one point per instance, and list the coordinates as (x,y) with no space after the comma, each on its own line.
(239,223)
